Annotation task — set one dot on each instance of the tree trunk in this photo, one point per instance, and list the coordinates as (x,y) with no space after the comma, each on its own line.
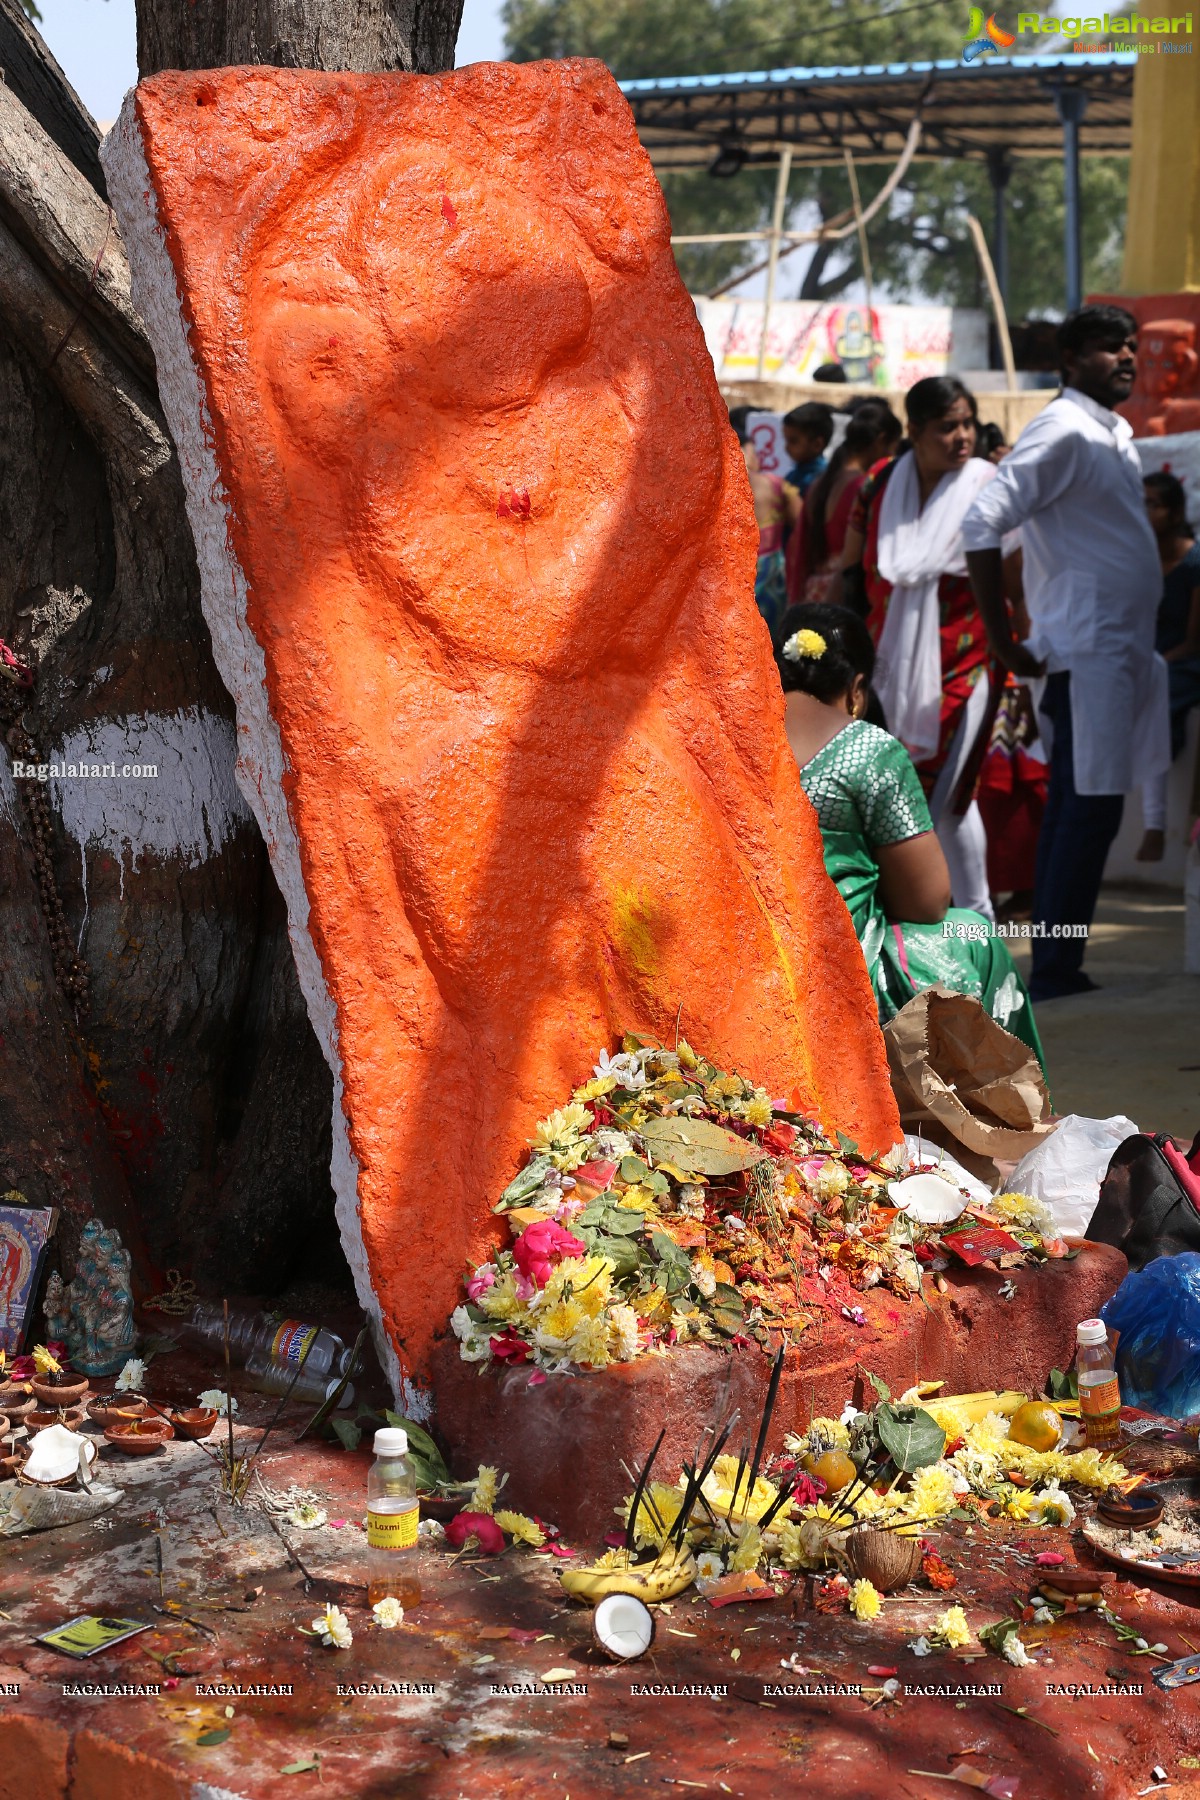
(298,34)
(157,1067)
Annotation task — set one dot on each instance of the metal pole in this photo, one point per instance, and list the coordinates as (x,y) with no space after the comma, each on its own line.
(781,188)
(1000,173)
(1072,104)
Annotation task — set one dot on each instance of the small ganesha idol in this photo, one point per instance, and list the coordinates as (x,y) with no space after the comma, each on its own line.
(94,1314)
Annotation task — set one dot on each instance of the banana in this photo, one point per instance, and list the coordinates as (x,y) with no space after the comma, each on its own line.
(616,1573)
(976,1406)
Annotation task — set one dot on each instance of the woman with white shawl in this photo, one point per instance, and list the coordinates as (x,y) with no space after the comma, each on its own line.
(934,679)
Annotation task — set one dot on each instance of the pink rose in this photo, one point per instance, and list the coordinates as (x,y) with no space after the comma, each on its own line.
(483,1279)
(542,1245)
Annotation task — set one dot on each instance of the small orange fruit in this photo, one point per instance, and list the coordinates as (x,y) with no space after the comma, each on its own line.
(834,1468)
(1035,1425)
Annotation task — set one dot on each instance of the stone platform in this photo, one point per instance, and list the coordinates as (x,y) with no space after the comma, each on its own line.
(562,1442)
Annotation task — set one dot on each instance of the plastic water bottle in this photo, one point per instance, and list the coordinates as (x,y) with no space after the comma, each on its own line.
(271,1377)
(266,1337)
(392,1514)
(1099,1389)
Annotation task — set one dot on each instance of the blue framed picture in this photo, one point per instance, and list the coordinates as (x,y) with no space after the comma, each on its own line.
(25,1231)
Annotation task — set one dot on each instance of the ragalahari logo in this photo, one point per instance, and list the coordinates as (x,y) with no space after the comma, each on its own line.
(984,35)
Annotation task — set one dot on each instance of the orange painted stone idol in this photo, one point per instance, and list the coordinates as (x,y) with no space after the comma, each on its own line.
(478,557)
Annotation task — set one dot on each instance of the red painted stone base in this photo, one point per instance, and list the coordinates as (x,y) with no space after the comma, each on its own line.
(562,1442)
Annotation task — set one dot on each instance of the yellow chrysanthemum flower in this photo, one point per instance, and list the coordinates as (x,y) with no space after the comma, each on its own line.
(757,1110)
(865,1601)
(657,1512)
(718,1490)
(747,1552)
(589,1342)
(522,1530)
(501,1300)
(557,1325)
(932,1493)
(595,1089)
(803,644)
(486,1487)
(953,1628)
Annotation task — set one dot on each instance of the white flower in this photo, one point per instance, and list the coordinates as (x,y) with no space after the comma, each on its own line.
(832,1179)
(473,1339)
(737,1225)
(132,1376)
(612,1145)
(709,1565)
(921,1647)
(1015,1652)
(388,1613)
(433,1529)
(1054,1507)
(623,1330)
(333,1629)
(222,1402)
(306,1516)
(690,1204)
(626,1069)
(704,1279)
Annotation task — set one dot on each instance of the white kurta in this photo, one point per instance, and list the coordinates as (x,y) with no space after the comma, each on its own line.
(1072,484)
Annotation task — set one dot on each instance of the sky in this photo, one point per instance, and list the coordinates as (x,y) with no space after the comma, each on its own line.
(95,44)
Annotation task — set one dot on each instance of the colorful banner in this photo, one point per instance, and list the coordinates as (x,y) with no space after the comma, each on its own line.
(892,348)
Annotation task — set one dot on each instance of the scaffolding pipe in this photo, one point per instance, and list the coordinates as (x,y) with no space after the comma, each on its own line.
(781,188)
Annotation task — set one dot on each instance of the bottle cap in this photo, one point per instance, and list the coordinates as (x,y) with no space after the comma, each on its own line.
(1091,1331)
(391,1443)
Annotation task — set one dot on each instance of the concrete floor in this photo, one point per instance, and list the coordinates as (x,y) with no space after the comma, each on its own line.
(1133,1047)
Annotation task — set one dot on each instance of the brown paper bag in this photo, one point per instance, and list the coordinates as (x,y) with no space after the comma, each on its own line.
(964,1082)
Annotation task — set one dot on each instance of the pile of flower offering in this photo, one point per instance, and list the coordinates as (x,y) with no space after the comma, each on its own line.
(670,1201)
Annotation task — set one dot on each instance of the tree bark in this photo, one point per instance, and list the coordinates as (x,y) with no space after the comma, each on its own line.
(298,34)
(157,1067)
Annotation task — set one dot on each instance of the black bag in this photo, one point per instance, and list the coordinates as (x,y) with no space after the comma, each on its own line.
(1149,1199)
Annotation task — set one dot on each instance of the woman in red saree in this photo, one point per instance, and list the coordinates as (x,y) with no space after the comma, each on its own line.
(935,680)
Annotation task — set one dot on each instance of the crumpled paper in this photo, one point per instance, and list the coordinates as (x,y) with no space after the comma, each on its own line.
(25,1509)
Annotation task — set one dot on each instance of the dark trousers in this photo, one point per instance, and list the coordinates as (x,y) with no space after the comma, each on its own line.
(1077,830)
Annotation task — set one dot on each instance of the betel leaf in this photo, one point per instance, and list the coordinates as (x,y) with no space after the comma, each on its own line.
(620,1221)
(846,1145)
(657,1183)
(347,1432)
(633,1168)
(699,1146)
(216,1736)
(1062,1387)
(593,1214)
(911,1436)
(667,1250)
(418,1437)
(622,1252)
(881,1387)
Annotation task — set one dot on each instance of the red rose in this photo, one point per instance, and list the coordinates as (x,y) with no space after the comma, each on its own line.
(480,1526)
(542,1245)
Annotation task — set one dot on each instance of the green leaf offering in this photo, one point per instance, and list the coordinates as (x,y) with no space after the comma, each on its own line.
(633,1168)
(531,1178)
(699,1146)
(216,1736)
(347,1433)
(301,1768)
(881,1387)
(911,1437)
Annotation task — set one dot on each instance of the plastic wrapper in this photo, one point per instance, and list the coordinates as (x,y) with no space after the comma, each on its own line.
(1156,1310)
(1064,1172)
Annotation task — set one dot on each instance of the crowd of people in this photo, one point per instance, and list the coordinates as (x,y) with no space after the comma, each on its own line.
(983,651)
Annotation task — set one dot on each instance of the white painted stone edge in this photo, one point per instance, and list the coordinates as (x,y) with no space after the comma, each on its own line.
(239,657)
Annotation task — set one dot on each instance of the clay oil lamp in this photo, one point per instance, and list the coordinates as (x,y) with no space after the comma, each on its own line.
(52,1384)
(141,1436)
(42,1417)
(12,1458)
(117,1409)
(1137,1510)
(194,1422)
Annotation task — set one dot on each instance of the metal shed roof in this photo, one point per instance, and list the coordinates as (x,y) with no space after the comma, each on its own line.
(967,110)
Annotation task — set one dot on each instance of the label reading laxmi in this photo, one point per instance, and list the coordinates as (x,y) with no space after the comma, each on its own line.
(393,1530)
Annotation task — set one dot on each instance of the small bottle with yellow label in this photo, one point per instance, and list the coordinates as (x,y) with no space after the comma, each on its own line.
(1099,1388)
(392,1514)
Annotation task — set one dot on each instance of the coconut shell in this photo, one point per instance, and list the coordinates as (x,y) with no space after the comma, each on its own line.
(884,1558)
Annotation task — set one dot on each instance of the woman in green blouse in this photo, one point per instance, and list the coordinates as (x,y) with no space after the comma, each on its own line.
(880,847)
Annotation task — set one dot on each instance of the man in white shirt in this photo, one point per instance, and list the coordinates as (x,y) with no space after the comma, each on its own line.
(1073,486)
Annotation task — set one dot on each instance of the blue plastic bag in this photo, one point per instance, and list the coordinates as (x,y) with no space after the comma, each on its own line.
(1157,1312)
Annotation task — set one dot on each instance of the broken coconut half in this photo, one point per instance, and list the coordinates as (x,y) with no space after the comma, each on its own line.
(623,1627)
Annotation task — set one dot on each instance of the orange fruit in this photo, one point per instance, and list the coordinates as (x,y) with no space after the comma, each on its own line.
(834,1468)
(1035,1425)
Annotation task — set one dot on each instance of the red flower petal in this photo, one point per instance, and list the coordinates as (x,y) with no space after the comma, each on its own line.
(480,1526)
